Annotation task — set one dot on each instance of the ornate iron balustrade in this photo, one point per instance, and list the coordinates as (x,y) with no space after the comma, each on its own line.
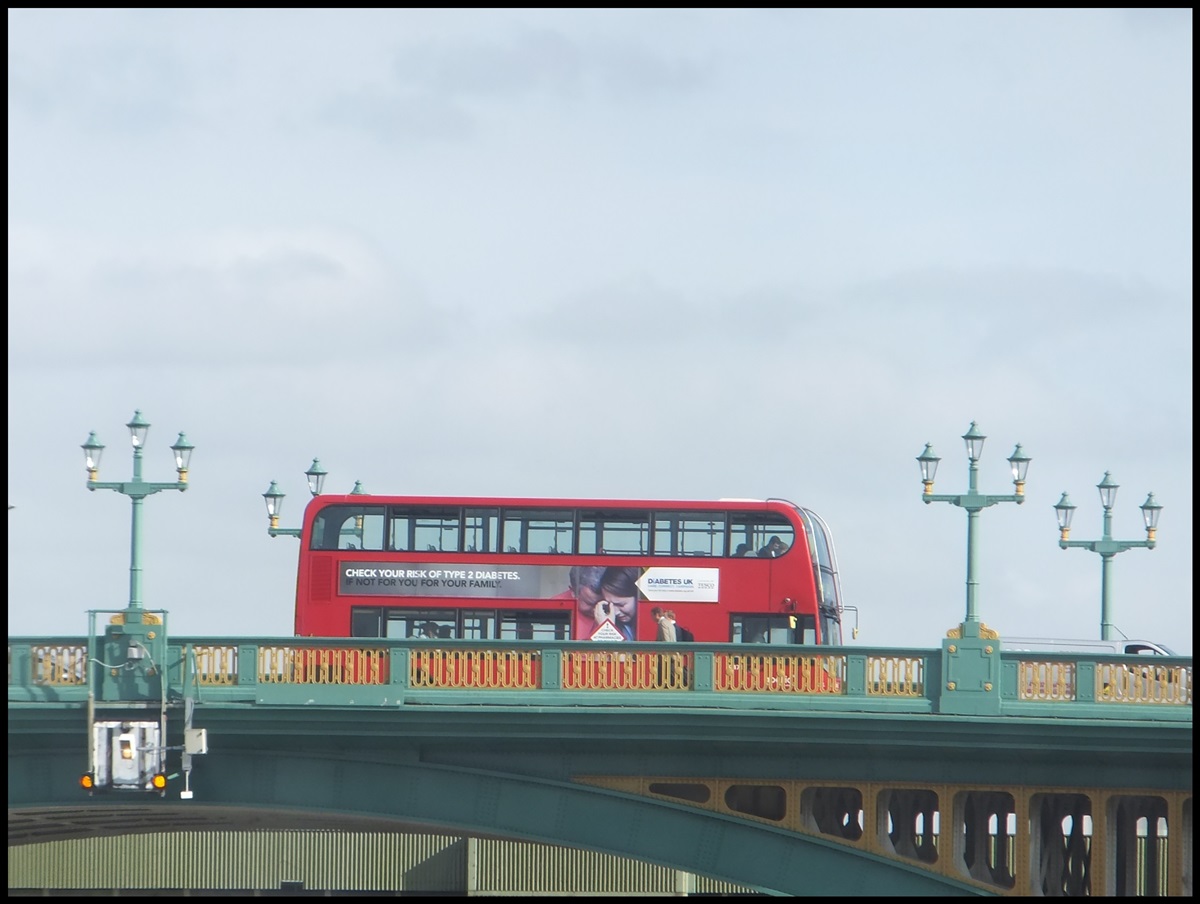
(897,680)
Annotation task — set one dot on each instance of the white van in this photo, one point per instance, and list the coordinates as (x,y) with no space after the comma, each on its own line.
(1097,647)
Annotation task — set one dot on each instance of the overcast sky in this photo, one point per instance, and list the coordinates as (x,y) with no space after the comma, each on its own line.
(660,254)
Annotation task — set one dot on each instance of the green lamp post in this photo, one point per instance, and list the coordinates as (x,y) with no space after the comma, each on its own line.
(1106,546)
(274,499)
(316,482)
(136,489)
(974,502)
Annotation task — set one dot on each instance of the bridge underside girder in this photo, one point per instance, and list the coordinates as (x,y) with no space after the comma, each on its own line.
(578,778)
(257,790)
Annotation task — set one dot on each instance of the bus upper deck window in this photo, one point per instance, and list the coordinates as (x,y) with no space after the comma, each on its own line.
(689,534)
(348,527)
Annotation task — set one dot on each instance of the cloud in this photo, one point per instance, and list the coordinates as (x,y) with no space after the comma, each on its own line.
(117,87)
(451,91)
(392,116)
(230,298)
(549,63)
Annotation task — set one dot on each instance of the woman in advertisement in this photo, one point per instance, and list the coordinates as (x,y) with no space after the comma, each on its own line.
(605,595)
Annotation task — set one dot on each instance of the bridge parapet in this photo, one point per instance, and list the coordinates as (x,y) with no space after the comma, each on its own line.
(361,672)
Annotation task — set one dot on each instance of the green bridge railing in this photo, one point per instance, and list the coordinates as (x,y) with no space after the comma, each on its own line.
(974,676)
(956,803)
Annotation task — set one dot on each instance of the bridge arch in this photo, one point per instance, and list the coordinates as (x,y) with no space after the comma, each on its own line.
(250,788)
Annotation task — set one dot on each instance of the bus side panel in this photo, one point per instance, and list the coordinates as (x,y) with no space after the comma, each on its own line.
(319,612)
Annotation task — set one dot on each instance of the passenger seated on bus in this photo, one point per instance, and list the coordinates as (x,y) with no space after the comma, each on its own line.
(743,549)
(775,547)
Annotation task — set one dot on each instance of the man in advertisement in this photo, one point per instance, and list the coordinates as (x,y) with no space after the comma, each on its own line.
(604,595)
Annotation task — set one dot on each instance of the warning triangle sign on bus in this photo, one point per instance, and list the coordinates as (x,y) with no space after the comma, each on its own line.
(607,631)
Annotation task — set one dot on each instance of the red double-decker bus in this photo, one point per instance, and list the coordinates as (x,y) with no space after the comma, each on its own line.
(743,571)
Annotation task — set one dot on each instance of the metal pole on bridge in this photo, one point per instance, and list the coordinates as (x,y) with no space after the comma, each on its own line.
(1106,546)
(136,489)
(974,502)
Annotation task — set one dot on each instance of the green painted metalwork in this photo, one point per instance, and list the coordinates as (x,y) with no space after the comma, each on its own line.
(974,502)
(128,662)
(315,475)
(357,672)
(971,676)
(137,490)
(1106,546)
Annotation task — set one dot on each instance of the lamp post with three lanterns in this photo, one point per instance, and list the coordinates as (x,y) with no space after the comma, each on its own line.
(136,489)
(1106,546)
(970,668)
(974,502)
(274,497)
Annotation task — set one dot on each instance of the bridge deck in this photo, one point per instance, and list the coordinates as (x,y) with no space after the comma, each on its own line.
(968,767)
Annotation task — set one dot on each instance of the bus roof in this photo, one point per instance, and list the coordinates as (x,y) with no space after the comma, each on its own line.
(548,501)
